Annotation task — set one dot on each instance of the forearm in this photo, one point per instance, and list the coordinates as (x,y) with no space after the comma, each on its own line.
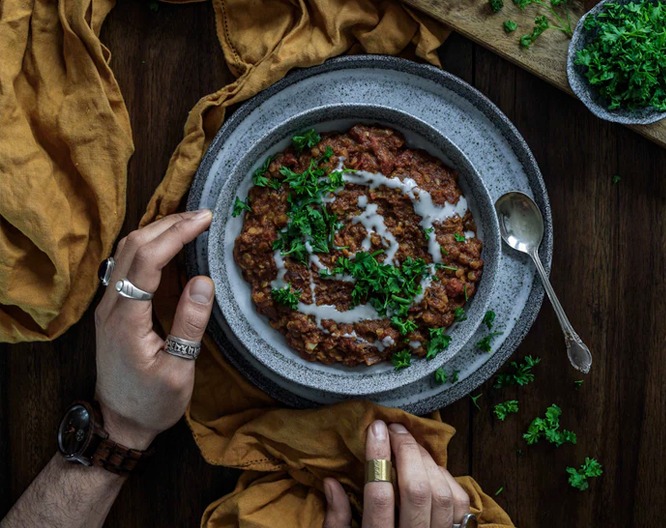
(65,495)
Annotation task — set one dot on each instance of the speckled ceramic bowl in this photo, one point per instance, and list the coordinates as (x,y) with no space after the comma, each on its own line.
(268,345)
(587,93)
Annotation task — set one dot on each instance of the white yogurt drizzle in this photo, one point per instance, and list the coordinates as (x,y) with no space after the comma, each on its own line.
(374,223)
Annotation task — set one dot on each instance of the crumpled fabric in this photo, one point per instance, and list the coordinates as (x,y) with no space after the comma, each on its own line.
(64,145)
(65,141)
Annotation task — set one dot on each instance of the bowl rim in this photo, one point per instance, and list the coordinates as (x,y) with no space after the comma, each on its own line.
(339,382)
(585,92)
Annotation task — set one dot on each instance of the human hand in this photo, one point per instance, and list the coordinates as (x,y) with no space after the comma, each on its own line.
(429,495)
(143,390)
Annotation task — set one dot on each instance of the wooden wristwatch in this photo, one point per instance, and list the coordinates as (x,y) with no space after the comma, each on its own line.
(82,438)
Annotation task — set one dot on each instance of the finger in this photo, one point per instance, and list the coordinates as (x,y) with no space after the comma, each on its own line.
(442,496)
(460,497)
(338,509)
(194,308)
(414,488)
(378,497)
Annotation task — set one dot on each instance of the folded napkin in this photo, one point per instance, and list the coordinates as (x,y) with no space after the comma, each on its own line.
(64,145)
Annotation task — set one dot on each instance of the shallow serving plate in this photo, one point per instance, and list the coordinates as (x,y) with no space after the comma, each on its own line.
(471,122)
(268,345)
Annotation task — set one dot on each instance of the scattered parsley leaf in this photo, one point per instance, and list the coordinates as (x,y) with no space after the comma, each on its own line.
(500,490)
(520,453)
(154,6)
(502,410)
(578,383)
(459,314)
(578,477)
(454,375)
(510,26)
(488,319)
(522,374)
(441,376)
(444,252)
(465,291)
(624,59)
(286,296)
(474,398)
(402,359)
(484,344)
(259,177)
(438,342)
(616,178)
(404,326)
(427,232)
(541,23)
(306,139)
(240,206)
(496,5)
(549,428)
(459,238)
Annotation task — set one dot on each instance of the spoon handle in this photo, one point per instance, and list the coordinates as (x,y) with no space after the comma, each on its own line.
(579,355)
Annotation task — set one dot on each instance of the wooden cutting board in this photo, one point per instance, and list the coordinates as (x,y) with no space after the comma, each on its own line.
(547,58)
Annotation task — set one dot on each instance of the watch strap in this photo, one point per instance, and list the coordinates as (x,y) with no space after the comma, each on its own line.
(117,458)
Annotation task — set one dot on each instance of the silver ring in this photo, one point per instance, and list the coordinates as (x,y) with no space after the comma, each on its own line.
(126,289)
(105,270)
(469,521)
(183,348)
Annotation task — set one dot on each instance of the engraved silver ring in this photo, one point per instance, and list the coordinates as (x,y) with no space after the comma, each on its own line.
(182,348)
(126,289)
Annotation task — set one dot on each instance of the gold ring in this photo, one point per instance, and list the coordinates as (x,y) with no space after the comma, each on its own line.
(378,471)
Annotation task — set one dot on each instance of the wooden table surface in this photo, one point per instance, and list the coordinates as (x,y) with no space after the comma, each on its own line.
(608,268)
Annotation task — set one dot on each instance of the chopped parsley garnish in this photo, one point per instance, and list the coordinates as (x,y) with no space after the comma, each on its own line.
(259,177)
(427,232)
(484,344)
(465,292)
(459,314)
(441,376)
(444,252)
(444,266)
(549,428)
(578,477)
(240,206)
(488,319)
(402,359)
(307,139)
(510,26)
(616,178)
(404,326)
(459,238)
(500,490)
(502,410)
(286,296)
(454,375)
(496,5)
(541,23)
(438,342)
(474,398)
(624,60)
(387,288)
(578,383)
(522,374)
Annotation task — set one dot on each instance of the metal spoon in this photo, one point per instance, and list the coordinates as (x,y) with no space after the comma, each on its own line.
(521,226)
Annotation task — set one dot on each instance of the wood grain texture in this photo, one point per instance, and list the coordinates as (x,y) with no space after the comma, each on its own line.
(547,58)
(609,264)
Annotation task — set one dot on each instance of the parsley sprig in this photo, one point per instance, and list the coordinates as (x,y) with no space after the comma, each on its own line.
(625,61)
(522,373)
(502,410)
(305,140)
(438,342)
(240,206)
(541,22)
(484,344)
(286,296)
(549,428)
(578,477)
(402,359)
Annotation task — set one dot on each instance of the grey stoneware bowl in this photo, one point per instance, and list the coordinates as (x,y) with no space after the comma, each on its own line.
(587,93)
(268,345)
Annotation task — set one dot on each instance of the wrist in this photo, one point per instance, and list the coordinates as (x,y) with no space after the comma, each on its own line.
(126,432)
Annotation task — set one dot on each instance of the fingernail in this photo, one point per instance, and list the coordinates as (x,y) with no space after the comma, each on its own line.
(379,430)
(398,428)
(201,291)
(328,493)
(203,213)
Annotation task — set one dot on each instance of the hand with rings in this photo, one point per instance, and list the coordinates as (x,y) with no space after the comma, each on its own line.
(144,383)
(428,495)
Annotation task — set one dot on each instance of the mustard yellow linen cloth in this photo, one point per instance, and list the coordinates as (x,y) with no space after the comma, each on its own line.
(65,141)
(64,145)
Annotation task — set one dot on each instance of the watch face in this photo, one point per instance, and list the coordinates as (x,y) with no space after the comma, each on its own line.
(74,429)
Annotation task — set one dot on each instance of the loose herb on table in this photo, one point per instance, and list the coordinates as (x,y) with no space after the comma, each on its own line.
(549,428)
(578,477)
(577,384)
(504,409)
(616,178)
(474,398)
(542,23)
(510,26)
(496,5)
(522,373)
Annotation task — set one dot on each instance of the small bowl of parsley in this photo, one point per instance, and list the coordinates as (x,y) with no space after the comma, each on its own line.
(616,63)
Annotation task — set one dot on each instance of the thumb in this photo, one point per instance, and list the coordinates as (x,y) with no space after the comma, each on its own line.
(194,309)
(338,509)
